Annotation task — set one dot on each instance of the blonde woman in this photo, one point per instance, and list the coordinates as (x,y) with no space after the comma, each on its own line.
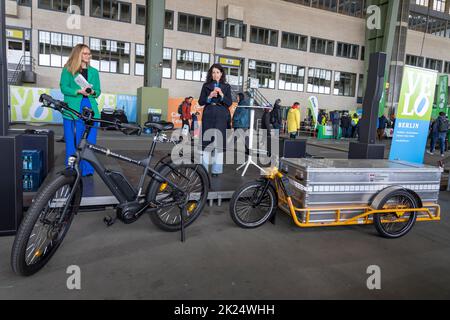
(77,98)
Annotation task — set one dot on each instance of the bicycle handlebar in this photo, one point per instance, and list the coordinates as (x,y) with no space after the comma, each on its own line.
(61,106)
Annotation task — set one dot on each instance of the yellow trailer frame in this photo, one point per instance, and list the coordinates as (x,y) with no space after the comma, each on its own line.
(431,211)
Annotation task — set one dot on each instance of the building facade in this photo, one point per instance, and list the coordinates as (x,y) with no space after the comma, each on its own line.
(291,48)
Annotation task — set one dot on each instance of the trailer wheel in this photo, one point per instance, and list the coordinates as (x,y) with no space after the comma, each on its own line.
(389,224)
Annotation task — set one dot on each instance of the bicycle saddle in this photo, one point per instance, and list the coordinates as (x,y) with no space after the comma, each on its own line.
(161,125)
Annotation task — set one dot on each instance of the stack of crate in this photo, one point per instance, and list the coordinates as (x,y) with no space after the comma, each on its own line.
(32,172)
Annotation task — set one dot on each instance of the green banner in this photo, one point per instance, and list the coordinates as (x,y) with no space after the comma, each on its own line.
(442,96)
(382,103)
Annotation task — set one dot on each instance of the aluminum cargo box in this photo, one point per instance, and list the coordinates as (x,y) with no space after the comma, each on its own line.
(341,182)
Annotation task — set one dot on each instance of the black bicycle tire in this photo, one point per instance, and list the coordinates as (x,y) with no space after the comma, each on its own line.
(237,194)
(377,217)
(18,251)
(164,170)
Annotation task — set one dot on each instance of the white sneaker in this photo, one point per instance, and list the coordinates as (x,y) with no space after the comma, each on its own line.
(429,152)
(442,155)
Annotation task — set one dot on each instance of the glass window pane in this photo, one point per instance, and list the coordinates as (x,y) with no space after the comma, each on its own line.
(125,12)
(319,81)
(206,26)
(167,53)
(168,23)
(182,22)
(140,15)
(56,39)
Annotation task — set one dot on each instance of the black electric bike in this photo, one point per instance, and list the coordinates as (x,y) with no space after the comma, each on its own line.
(174,197)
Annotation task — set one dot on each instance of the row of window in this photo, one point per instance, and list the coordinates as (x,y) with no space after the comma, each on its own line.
(105,8)
(118,10)
(428,24)
(430,63)
(114,57)
(292,78)
(300,42)
(438,5)
(121,11)
(353,8)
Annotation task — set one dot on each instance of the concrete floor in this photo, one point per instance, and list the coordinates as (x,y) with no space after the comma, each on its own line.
(221,261)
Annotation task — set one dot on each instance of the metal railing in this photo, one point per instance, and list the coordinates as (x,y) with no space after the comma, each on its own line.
(258,97)
(26,63)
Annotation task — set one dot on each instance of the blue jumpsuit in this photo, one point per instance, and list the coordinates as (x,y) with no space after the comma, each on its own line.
(73,130)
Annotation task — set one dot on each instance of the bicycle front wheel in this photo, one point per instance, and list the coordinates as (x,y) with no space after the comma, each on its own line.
(41,232)
(193,180)
(249,208)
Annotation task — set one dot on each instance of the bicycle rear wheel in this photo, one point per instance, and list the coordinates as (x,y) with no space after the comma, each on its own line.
(40,233)
(389,225)
(196,188)
(251,209)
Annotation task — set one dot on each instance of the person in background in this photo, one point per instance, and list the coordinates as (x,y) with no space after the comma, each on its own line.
(335,121)
(434,136)
(442,127)
(320,117)
(195,128)
(186,116)
(216,99)
(393,121)
(266,125)
(265,120)
(241,116)
(275,115)
(78,99)
(354,123)
(358,126)
(346,125)
(293,120)
(382,124)
(324,119)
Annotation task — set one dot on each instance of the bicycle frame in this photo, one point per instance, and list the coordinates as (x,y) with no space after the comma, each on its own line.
(86,151)
(132,204)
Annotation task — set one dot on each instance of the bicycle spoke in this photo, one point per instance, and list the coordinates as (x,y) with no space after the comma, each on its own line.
(45,229)
(191,184)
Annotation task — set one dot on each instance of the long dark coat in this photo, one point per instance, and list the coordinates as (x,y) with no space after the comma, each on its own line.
(216,114)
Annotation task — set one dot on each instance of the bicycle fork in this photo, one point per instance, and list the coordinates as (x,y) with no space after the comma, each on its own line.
(72,193)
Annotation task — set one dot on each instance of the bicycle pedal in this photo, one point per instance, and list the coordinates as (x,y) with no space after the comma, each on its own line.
(154,204)
(109,221)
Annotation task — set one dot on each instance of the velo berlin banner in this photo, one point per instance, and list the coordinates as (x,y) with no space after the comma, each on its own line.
(413,114)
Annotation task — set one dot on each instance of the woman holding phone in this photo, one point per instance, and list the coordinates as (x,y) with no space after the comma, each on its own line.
(78,98)
(216,97)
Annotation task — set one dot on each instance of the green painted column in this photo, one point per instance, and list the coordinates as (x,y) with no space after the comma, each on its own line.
(154,42)
(381,39)
(151,97)
(152,100)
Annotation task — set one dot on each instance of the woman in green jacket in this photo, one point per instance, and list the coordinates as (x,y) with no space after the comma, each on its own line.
(77,98)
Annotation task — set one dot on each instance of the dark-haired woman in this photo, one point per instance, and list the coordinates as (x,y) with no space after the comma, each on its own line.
(216,97)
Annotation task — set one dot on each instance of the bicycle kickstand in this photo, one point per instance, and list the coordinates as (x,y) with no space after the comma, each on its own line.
(273,218)
(182,225)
